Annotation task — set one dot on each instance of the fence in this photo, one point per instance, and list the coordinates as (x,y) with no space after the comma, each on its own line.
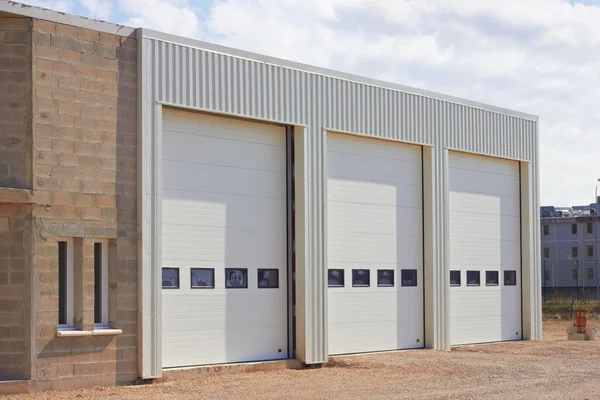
(565,280)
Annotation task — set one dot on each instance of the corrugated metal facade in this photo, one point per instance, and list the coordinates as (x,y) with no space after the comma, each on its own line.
(183,73)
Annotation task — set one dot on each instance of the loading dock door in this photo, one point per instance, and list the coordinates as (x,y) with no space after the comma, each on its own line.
(224,296)
(375,245)
(485,249)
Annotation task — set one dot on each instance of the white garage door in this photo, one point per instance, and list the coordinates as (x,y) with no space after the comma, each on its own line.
(224,241)
(485,249)
(375,245)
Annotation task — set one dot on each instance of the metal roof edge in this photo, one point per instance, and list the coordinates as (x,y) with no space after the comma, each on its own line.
(216,48)
(26,10)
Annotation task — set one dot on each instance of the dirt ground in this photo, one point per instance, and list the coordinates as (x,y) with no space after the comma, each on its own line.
(552,369)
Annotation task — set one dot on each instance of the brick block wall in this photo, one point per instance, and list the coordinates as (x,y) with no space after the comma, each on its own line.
(15,102)
(84,181)
(14,342)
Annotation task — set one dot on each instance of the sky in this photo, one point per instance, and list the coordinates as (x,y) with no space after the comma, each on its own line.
(537,56)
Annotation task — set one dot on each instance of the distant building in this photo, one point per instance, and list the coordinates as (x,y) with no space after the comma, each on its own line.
(569,248)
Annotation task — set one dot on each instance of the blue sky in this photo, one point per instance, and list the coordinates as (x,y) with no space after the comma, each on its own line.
(536,56)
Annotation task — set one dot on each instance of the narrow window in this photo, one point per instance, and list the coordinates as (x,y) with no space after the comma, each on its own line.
(361,278)
(589,228)
(65,283)
(473,278)
(454,278)
(575,274)
(170,278)
(574,252)
(491,278)
(385,277)
(574,229)
(409,277)
(335,278)
(100,284)
(546,230)
(510,278)
(590,273)
(546,252)
(590,250)
(546,274)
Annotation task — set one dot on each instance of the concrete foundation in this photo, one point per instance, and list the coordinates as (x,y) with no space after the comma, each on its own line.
(589,334)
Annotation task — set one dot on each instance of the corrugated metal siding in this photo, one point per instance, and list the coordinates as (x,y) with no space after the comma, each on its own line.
(189,76)
(211,81)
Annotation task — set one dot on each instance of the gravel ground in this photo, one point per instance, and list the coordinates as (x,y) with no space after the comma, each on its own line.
(552,369)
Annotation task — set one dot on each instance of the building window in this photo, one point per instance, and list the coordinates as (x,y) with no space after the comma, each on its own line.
(236,278)
(546,230)
(454,278)
(268,278)
(101,284)
(590,250)
(546,252)
(170,278)
(574,252)
(510,278)
(546,274)
(589,228)
(65,283)
(491,278)
(575,274)
(473,278)
(409,277)
(361,278)
(590,273)
(574,229)
(385,277)
(335,278)
(202,278)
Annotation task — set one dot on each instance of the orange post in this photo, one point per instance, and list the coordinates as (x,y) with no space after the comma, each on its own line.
(581,318)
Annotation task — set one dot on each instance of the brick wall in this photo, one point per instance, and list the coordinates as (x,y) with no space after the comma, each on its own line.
(14,346)
(15,102)
(84,181)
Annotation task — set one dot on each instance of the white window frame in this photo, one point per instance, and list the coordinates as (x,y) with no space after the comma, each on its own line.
(104,288)
(70,289)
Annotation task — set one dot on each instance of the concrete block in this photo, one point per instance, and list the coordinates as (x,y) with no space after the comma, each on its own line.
(14,387)
(589,334)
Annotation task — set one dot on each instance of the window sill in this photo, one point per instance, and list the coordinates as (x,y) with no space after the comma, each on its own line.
(95,332)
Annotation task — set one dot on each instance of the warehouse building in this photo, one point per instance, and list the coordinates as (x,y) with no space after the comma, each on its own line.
(170,203)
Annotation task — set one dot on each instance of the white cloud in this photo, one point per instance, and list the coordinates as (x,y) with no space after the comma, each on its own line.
(537,56)
(100,9)
(173,16)
(58,5)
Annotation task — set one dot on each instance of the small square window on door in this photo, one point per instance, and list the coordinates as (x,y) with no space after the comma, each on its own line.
(170,278)
(491,278)
(361,278)
(385,277)
(268,278)
(473,278)
(454,278)
(335,278)
(202,278)
(236,278)
(510,278)
(409,277)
